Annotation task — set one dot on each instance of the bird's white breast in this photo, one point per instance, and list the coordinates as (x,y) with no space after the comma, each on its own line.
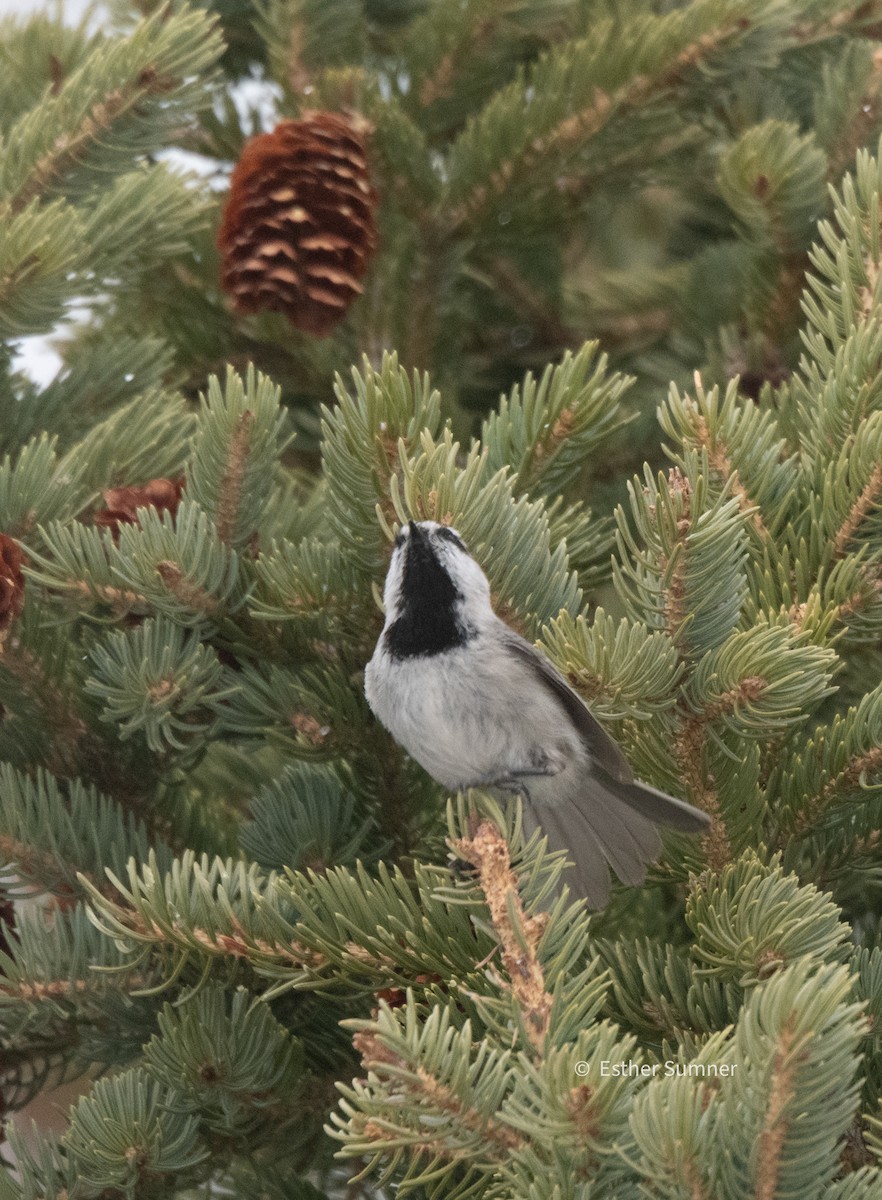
(473,714)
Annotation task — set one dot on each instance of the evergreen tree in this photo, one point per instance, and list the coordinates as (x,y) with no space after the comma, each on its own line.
(284,956)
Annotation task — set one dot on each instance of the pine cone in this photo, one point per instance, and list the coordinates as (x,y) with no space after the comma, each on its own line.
(123,502)
(11,582)
(7,917)
(298,228)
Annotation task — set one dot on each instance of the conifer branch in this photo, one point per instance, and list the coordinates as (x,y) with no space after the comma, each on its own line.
(442,79)
(39,866)
(689,745)
(231,484)
(30,861)
(844,782)
(531,303)
(867,293)
(689,750)
(630,329)
(694,1182)
(674,565)
(45,989)
(501,1139)
(141,913)
(865,120)
(869,499)
(719,459)
(519,934)
(748,691)
(34,990)
(775,1124)
(863,16)
(186,590)
(782,310)
(859,601)
(71,147)
(577,127)
(123,601)
(68,727)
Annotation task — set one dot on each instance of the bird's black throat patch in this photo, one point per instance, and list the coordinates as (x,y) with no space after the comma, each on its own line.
(428,621)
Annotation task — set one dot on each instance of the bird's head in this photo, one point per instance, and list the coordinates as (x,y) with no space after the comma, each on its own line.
(436,596)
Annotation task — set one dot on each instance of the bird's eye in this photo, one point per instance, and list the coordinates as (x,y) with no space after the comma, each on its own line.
(399,539)
(451,535)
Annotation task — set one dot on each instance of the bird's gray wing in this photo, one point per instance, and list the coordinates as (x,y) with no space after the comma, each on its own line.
(600,745)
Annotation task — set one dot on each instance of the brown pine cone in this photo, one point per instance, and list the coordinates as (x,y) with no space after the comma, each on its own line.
(7,916)
(123,502)
(298,229)
(11,582)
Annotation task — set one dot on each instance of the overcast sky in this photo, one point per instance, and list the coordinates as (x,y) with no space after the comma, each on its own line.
(35,355)
(253,97)
(36,358)
(72,9)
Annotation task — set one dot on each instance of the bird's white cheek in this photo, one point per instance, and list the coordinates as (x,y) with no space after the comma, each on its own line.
(391,596)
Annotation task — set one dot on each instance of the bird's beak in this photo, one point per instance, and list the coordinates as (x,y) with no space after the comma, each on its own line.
(415,531)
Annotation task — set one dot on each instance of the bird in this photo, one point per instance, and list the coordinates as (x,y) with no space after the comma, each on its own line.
(476,705)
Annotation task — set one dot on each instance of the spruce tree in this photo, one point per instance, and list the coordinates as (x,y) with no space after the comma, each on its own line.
(284,962)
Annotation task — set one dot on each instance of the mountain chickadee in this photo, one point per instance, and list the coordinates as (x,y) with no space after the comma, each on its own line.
(477,706)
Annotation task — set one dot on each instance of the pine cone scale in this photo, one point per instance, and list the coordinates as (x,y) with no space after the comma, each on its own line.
(327,241)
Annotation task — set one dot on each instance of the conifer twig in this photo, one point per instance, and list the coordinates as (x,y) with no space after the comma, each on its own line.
(689,746)
(189,593)
(862,125)
(122,600)
(689,749)
(501,1139)
(846,780)
(63,989)
(870,498)
(775,1125)
(37,865)
(488,851)
(719,459)
(231,485)
(675,608)
(533,305)
(69,149)
(68,727)
(604,106)
(862,598)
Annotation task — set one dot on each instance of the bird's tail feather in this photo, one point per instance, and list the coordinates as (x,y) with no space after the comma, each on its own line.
(659,807)
(607,822)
